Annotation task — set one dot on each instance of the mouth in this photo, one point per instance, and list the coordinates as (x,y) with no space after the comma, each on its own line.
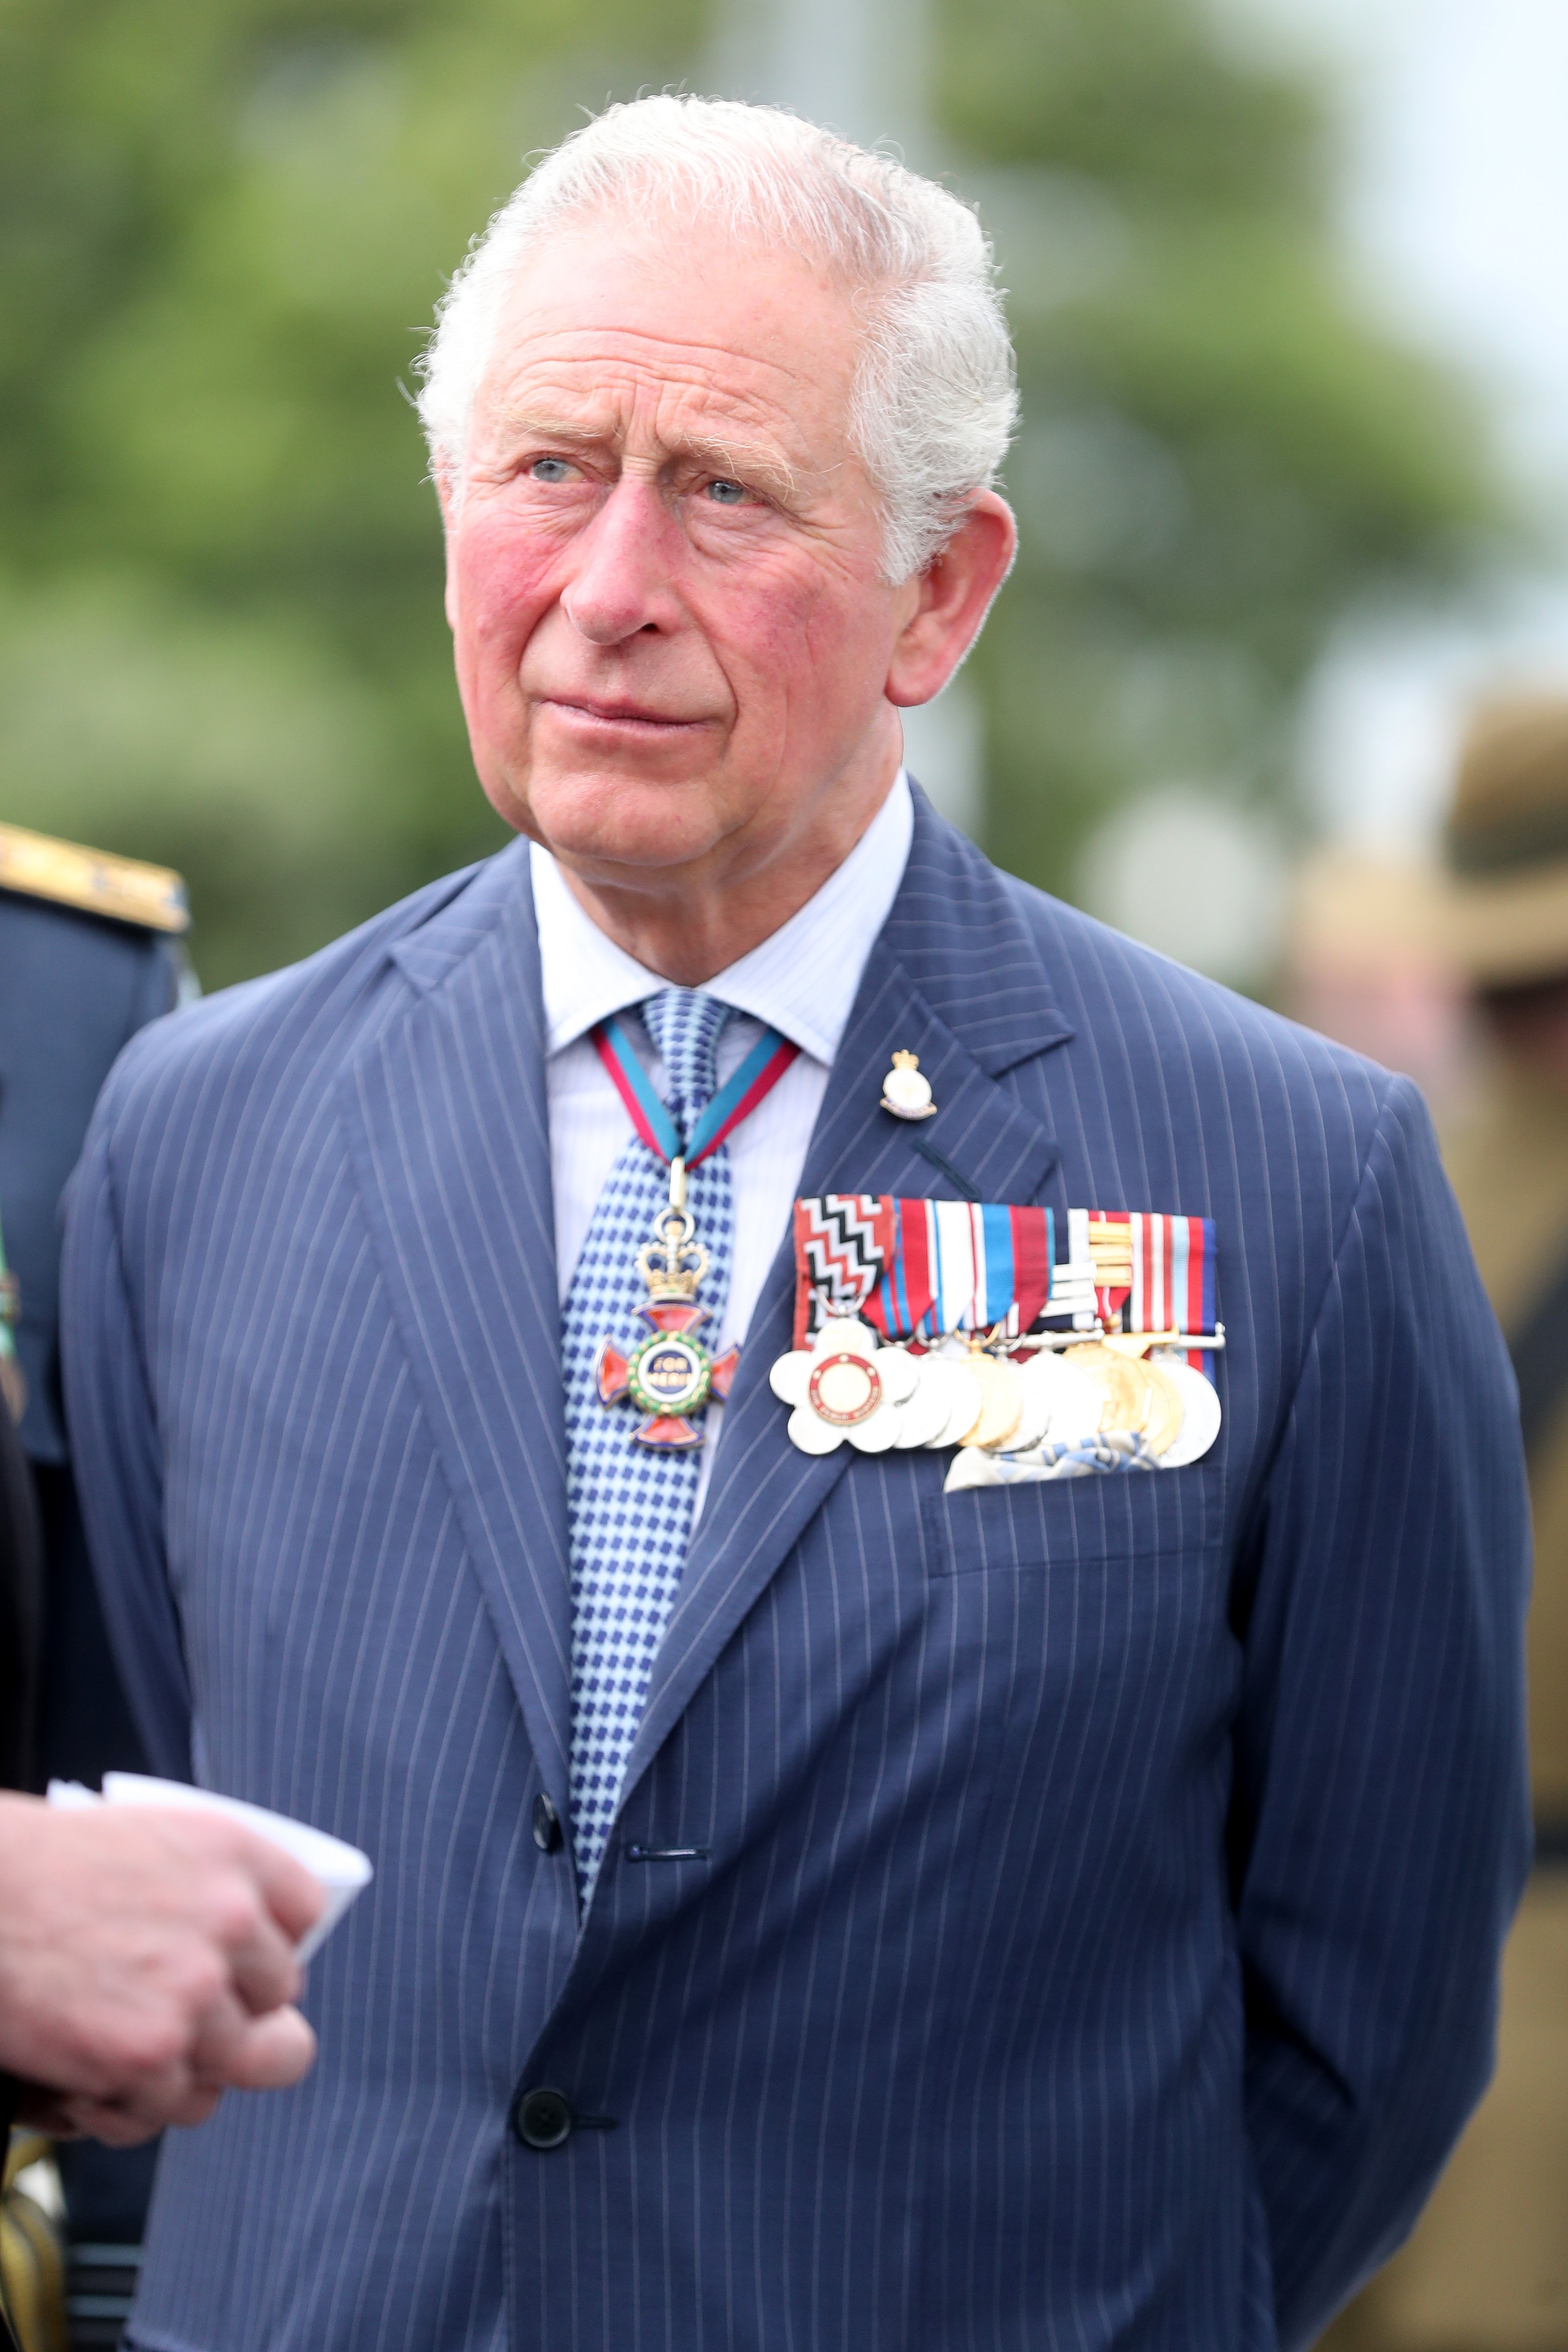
(619,716)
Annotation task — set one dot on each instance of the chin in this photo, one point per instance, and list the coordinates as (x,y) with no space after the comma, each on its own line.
(604,824)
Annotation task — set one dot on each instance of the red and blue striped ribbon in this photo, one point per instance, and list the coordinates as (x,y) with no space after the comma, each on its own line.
(758,1075)
(962,1265)
(1173,1278)
(965,1265)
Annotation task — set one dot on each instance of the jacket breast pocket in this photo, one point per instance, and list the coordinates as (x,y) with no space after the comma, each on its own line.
(1067,1523)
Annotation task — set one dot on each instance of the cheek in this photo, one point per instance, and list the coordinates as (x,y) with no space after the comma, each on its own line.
(504,582)
(840,635)
(809,640)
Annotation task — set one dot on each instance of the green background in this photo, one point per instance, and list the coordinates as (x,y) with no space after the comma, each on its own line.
(223,228)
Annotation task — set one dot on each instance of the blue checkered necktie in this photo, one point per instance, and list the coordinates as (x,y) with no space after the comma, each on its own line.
(629,1506)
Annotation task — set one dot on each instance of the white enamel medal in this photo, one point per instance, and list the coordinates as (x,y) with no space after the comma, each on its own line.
(845,1385)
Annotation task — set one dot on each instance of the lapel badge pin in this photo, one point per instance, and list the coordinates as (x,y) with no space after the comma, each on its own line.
(904,1092)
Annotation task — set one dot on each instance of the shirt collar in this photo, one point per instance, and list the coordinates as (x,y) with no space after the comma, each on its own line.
(801,980)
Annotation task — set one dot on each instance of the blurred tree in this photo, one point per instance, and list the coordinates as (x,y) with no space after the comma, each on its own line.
(224,224)
(1221,452)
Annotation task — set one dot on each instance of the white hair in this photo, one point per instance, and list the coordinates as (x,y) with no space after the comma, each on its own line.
(933,404)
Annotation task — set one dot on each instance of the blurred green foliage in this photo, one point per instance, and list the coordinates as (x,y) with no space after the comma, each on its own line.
(223,227)
(1221,452)
(224,224)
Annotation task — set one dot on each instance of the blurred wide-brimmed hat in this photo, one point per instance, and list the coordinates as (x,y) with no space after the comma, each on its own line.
(1506,843)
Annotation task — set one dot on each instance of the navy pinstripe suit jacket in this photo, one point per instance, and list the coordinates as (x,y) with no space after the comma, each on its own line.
(1097,1934)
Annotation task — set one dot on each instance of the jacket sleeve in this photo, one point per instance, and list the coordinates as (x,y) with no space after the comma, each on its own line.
(115,1452)
(1380,1830)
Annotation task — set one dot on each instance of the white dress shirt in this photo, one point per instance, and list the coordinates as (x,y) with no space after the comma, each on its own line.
(802,982)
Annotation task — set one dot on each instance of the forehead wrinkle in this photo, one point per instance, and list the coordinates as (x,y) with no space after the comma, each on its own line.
(593,382)
(663,355)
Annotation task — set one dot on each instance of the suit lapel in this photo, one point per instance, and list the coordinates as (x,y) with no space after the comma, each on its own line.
(955,979)
(445,1114)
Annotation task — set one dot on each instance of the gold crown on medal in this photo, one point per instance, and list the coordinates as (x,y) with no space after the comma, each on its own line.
(673,1264)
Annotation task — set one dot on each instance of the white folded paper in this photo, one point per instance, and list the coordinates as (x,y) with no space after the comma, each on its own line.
(342,1870)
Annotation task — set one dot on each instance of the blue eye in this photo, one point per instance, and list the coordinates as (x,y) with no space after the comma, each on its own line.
(726,494)
(549,469)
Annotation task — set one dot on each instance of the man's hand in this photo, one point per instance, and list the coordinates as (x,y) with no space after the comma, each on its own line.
(146,1964)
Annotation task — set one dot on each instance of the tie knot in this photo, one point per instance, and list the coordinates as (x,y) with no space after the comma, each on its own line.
(684,1025)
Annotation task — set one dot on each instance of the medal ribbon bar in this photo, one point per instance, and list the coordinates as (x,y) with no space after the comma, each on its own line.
(963,1265)
(843,1241)
(916,1270)
(1160,1269)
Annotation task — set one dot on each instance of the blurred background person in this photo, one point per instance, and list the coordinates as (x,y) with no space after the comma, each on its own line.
(1507,853)
(144,1961)
(1487,2269)
(91,950)
(1368,959)
(32,2266)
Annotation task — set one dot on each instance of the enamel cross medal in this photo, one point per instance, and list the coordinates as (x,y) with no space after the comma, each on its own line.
(670,1375)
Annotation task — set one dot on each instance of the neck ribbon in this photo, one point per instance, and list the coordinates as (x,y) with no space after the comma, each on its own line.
(757,1076)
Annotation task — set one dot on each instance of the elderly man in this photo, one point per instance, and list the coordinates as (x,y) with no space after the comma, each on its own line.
(827,1893)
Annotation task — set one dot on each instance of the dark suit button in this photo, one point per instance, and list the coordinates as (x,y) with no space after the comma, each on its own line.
(541,2119)
(546,1824)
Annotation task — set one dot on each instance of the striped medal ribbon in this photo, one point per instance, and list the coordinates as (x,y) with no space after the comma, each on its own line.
(966,1266)
(1154,1273)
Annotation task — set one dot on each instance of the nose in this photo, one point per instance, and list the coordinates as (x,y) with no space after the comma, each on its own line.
(622,580)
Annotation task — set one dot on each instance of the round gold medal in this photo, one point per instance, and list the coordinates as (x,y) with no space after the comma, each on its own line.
(1120,1381)
(1002,1401)
(1166,1408)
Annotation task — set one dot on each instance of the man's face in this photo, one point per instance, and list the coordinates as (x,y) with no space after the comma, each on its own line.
(672,638)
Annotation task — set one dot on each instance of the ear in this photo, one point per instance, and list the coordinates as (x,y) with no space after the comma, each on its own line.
(955,593)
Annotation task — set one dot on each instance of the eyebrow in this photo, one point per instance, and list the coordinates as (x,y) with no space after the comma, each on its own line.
(748,461)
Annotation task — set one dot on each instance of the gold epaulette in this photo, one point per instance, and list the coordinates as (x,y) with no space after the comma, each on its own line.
(100,884)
